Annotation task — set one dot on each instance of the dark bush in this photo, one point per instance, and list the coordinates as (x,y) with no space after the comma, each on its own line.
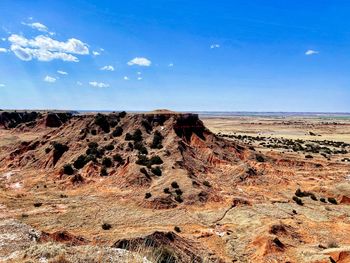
(140,147)
(109,147)
(122,114)
(155,160)
(102,122)
(142,160)
(207,184)
(93,145)
(137,136)
(300,193)
(103,171)
(118,158)
(106,226)
(179,199)
(80,161)
(260,159)
(174,185)
(38,204)
(93,132)
(107,162)
(309,156)
(144,171)
(117,132)
(298,200)
(332,200)
(156,171)
(148,127)
(47,150)
(157,140)
(166,190)
(323,200)
(313,197)
(178,192)
(148,195)
(128,137)
(113,123)
(68,169)
(177,229)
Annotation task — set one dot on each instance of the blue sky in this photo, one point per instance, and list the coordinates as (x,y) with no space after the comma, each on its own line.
(181,55)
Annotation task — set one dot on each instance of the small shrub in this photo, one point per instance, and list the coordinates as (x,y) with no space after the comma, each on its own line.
(68,169)
(166,190)
(102,122)
(174,185)
(107,162)
(298,200)
(155,160)
(118,158)
(260,159)
(81,161)
(117,132)
(93,145)
(323,200)
(103,171)
(178,191)
(207,184)
(144,171)
(38,204)
(140,147)
(109,147)
(313,197)
(106,226)
(137,136)
(122,114)
(47,150)
(148,195)
(157,140)
(128,137)
(145,123)
(177,229)
(93,132)
(156,171)
(142,160)
(309,156)
(178,199)
(332,200)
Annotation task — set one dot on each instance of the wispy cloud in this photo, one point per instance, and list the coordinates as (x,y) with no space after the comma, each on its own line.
(62,72)
(79,83)
(214,46)
(126,78)
(3,50)
(311,52)
(38,26)
(107,68)
(98,84)
(139,78)
(50,79)
(2,85)
(170,65)
(140,61)
(96,53)
(44,48)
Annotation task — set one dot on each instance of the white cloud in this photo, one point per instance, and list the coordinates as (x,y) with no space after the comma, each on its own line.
(107,68)
(79,83)
(44,48)
(50,79)
(170,65)
(2,85)
(139,73)
(62,72)
(38,26)
(3,38)
(98,84)
(96,53)
(3,50)
(126,78)
(139,78)
(140,62)
(214,46)
(311,52)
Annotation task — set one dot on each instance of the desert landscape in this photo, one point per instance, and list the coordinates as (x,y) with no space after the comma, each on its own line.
(165,186)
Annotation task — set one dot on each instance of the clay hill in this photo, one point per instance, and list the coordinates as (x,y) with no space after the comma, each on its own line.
(161,185)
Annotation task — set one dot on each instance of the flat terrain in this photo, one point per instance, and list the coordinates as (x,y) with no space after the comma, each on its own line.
(251,215)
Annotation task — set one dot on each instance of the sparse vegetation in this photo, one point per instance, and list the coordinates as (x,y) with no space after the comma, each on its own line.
(207,184)
(106,226)
(68,169)
(174,185)
(118,131)
(157,140)
(298,200)
(177,229)
(109,147)
(332,200)
(148,195)
(118,158)
(140,147)
(107,162)
(323,200)
(104,171)
(102,121)
(156,171)
(166,190)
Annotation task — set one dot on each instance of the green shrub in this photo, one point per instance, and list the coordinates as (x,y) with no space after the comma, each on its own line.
(103,171)
(178,198)
(137,136)
(102,122)
(68,169)
(156,171)
(118,158)
(93,145)
(148,195)
(142,160)
(323,200)
(80,161)
(144,171)
(47,150)
(107,162)
(174,185)
(155,160)
(177,229)
(122,114)
(298,200)
(166,190)
(148,127)
(93,132)
(140,147)
(106,226)
(117,132)
(109,147)
(128,137)
(157,140)
(178,191)
(332,200)
(207,184)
